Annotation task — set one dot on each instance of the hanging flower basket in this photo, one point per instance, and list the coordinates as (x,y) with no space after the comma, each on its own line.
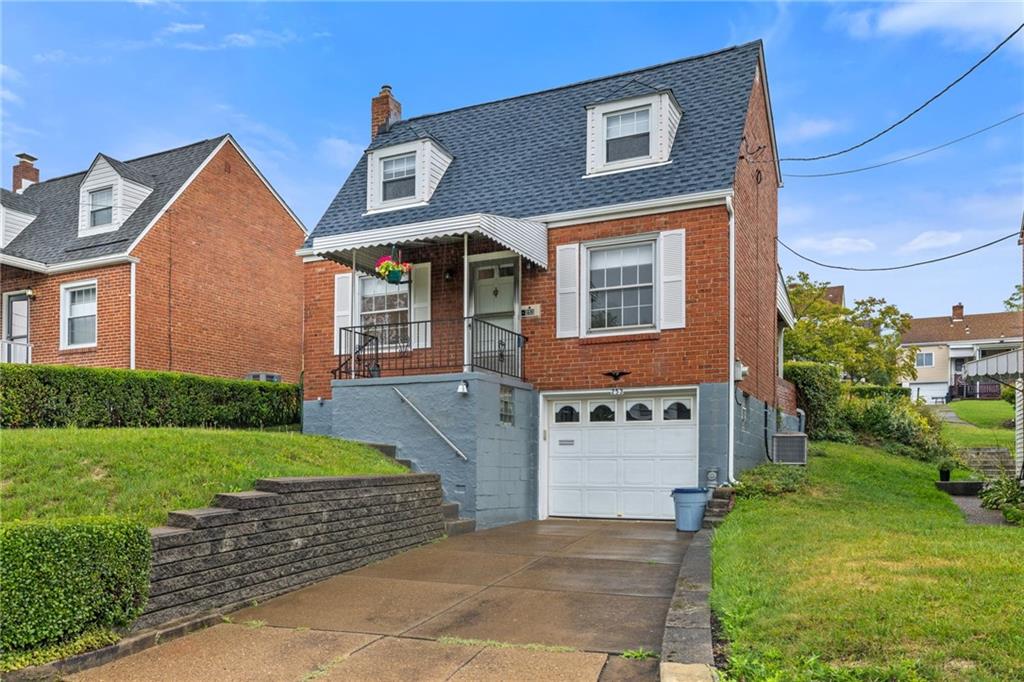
(391,269)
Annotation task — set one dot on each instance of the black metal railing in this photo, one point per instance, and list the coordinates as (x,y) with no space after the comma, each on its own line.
(973,389)
(429,347)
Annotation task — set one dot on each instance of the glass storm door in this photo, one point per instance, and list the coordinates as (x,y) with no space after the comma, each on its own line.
(16,346)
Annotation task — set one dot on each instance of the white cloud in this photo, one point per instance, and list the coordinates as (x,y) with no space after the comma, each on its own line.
(9,73)
(9,96)
(970,24)
(809,129)
(835,245)
(932,239)
(340,152)
(178,27)
(252,39)
(794,214)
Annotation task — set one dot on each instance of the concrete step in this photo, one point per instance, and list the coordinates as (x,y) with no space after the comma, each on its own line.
(723,493)
(407,463)
(459,527)
(712,520)
(450,511)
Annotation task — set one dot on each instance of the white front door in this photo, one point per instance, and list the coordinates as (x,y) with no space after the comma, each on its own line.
(494,292)
(620,457)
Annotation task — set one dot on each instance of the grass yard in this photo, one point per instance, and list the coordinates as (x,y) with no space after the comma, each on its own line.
(146,473)
(987,414)
(871,574)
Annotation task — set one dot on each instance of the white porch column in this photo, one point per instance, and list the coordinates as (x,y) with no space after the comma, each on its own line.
(1018,414)
(466,350)
(352,337)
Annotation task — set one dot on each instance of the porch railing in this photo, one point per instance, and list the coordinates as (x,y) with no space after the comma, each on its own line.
(429,347)
(16,352)
(974,389)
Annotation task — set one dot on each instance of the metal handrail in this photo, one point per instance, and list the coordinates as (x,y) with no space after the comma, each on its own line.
(429,423)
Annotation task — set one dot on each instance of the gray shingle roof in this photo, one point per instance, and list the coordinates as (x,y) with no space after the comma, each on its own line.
(18,202)
(526,156)
(53,236)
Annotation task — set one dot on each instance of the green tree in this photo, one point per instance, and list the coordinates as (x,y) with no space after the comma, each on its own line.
(863,341)
(1016,300)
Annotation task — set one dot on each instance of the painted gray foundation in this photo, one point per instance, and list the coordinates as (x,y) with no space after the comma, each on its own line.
(495,484)
(753,435)
(713,445)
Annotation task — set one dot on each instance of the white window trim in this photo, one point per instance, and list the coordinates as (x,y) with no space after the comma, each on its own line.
(92,209)
(358,312)
(921,354)
(431,163)
(64,289)
(87,229)
(584,286)
(663,123)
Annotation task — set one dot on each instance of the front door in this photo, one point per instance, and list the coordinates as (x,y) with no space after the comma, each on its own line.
(493,300)
(15,347)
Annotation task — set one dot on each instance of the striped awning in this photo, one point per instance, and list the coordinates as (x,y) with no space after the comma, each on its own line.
(1005,367)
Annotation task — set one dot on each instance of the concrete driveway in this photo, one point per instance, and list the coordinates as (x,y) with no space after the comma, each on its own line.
(555,599)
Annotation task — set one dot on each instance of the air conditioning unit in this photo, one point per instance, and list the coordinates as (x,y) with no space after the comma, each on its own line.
(789,448)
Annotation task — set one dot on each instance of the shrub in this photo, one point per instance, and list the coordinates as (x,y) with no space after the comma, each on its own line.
(1009,394)
(58,396)
(1014,515)
(63,578)
(1001,493)
(904,427)
(818,391)
(875,391)
(769,480)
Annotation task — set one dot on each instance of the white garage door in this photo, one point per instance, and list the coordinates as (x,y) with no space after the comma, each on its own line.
(620,456)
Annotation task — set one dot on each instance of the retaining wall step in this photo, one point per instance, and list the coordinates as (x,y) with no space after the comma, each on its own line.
(450,511)
(459,527)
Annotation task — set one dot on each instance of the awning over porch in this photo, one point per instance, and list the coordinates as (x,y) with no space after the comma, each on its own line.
(528,239)
(1005,367)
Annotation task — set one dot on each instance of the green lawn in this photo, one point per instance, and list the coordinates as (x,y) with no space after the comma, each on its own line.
(870,575)
(146,473)
(986,414)
(967,436)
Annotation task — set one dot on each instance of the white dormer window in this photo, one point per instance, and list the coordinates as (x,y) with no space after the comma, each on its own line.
(632,133)
(399,177)
(404,175)
(101,207)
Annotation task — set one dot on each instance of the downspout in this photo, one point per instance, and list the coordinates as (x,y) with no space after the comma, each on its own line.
(732,336)
(131,317)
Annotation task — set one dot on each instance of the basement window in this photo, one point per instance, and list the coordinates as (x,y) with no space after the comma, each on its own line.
(506,406)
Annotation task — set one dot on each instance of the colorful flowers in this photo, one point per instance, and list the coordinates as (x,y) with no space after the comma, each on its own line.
(391,269)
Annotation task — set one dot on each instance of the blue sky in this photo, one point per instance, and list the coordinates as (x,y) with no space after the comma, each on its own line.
(293,83)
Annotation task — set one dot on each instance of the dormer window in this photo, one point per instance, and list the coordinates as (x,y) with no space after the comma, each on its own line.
(399,177)
(632,133)
(627,135)
(101,207)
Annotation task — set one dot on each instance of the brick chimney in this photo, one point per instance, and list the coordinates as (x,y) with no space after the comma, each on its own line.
(25,172)
(958,312)
(384,110)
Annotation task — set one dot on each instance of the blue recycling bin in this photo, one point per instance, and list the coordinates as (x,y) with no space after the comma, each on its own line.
(690,503)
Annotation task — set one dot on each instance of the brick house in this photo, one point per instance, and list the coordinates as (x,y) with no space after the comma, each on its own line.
(182,260)
(594,313)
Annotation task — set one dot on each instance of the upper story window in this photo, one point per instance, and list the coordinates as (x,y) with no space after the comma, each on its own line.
(631,133)
(78,315)
(925,360)
(399,177)
(627,135)
(101,207)
(621,286)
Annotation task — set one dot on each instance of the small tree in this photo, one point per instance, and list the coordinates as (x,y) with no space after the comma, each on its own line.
(1016,299)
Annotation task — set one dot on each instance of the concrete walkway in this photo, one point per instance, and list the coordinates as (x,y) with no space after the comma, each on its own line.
(548,600)
(977,515)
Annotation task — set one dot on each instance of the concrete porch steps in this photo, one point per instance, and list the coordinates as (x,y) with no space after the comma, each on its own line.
(720,504)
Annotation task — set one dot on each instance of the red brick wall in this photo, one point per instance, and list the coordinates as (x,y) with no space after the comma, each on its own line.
(112,314)
(785,395)
(219,288)
(318,327)
(756,207)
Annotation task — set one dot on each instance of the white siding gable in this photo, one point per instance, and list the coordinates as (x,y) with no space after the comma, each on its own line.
(431,163)
(12,223)
(665,115)
(127,196)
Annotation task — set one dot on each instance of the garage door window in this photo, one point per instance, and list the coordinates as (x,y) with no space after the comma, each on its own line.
(640,411)
(569,413)
(675,409)
(602,412)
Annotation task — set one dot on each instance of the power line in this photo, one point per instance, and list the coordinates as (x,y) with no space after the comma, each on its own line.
(895,267)
(908,157)
(915,111)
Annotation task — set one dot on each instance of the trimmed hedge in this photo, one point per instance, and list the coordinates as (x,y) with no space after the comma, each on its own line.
(65,577)
(876,391)
(59,396)
(818,391)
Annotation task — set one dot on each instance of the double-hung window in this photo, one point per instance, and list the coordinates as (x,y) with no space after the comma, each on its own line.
(925,360)
(101,207)
(398,175)
(384,311)
(627,135)
(78,315)
(621,286)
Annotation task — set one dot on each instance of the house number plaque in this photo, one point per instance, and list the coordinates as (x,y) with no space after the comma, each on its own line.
(530,310)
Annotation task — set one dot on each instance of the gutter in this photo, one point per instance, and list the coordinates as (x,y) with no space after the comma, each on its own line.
(732,337)
(70,266)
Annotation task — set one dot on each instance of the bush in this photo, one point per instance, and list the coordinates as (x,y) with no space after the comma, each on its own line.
(769,480)
(1002,492)
(1009,394)
(876,391)
(818,391)
(904,427)
(58,396)
(63,578)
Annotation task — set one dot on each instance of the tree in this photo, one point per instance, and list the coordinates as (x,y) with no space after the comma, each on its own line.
(863,341)
(1016,300)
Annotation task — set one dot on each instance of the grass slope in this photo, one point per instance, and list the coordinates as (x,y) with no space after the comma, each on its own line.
(146,473)
(987,414)
(871,575)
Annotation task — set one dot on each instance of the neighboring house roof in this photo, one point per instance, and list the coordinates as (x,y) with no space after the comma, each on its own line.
(525,156)
(973,327)
(53,236)
(18,202)
(836,295)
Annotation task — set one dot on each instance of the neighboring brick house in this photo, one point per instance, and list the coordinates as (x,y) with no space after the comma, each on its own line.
(945,344)
(595,311)
(182,260)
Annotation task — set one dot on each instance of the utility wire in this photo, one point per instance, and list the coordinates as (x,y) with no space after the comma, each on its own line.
(895,267)
(915,111)
(905,158)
